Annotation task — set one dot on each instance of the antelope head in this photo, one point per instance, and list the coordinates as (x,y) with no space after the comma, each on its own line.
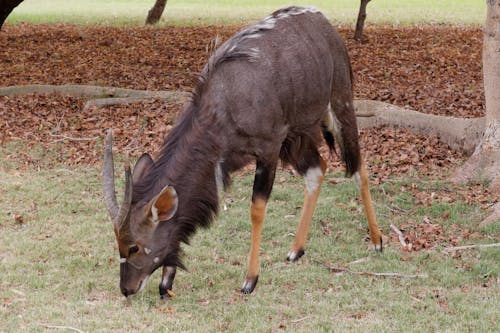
(139,225)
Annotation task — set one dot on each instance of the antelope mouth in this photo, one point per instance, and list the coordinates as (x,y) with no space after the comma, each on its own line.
(129,292)
(142,284)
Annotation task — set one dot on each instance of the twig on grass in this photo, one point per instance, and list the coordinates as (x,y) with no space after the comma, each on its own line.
(62,328)
(468,247)
(358,261)
(64,137)
(299,320)
(336,269)
(395,209)
(401,237)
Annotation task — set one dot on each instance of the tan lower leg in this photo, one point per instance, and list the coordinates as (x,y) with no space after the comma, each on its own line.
(310,199)
(258,211)
(375,234)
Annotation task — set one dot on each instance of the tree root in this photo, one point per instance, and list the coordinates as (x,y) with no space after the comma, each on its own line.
(468,135)
(462,134)
(459,133)
(173,97)
(91,92)
(493,217)
(484,164)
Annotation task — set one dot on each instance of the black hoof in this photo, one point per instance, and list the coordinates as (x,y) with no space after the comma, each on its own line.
(380,246)
(249,285)
(164,293)
(294,256)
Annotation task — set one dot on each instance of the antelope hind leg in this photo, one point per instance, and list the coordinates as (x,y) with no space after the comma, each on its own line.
(313,178)
(361,179)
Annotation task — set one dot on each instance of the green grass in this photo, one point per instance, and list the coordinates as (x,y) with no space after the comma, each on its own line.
(59,267)
(202,12)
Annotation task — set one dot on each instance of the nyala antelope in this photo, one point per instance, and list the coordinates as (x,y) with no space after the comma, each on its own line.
(267,94)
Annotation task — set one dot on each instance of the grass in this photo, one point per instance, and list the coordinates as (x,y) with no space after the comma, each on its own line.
(201,12)
(59,266)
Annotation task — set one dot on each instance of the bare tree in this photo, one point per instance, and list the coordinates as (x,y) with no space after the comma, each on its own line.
(6,7)
(360,23)
(155,13)
(480,136)
(485,161)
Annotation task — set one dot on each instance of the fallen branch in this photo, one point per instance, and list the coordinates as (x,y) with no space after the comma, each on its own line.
(468,247)
(336,269)
(401,237)
(62,327)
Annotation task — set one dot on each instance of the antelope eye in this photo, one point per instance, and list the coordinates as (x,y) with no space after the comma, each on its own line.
(133,249)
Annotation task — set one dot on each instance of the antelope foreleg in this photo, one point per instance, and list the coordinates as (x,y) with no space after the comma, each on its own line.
(313,178)
(262,186)
(167,281)
(362,182)
(257,211)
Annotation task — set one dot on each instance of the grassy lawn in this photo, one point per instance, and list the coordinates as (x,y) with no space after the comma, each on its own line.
(59,267)
(201,12)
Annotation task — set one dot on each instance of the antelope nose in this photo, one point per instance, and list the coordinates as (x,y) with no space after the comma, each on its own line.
(126,292)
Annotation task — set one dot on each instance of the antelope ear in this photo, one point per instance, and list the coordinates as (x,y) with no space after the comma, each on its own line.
(164,205)
(143,163)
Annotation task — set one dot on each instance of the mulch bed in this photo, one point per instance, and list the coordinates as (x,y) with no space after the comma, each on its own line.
(431,69)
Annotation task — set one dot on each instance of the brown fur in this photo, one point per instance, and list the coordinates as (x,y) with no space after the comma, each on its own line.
(263,96)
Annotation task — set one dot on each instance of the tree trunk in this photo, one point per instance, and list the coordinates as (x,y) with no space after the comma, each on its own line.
(154,13)
(6,7)
(360,23)
(484,164)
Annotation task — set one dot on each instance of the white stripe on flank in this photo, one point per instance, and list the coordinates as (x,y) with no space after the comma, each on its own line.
(311,178)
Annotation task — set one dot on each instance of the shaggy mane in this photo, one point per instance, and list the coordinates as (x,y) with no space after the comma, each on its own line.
(235,48)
